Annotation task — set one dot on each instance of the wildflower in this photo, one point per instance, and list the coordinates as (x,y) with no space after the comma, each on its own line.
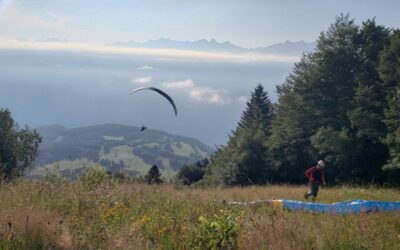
(145,218)
(162,230)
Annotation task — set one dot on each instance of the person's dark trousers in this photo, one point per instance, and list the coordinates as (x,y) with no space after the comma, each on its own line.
(313,190)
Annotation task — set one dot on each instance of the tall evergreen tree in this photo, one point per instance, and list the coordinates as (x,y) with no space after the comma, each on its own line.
(244,160)
(333,99)
(292,125)
(317,94)
(367,115)
(369,100)
(390,73)
(153,176)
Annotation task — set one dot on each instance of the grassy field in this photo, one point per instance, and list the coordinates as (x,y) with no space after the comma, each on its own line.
(97,213)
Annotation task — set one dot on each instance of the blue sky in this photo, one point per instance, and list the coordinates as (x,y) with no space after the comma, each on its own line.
(245,23)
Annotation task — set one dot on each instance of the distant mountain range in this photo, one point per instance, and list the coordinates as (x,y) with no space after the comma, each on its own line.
(118,148)
(286,48)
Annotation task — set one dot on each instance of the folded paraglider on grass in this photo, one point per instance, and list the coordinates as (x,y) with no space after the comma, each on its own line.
(346,207)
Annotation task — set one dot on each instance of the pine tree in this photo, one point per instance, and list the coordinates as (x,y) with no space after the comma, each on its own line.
(153,176)
(293,124)
(258,112)
(367,115)
(244,160)
(390,73)
(334,95)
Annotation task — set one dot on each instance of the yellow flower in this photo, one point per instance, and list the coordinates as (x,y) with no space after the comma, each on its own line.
(145,218)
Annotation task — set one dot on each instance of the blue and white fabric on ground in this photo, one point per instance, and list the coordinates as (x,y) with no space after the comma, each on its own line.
(347,207)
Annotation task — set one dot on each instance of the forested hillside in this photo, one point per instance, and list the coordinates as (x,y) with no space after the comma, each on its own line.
(118,148)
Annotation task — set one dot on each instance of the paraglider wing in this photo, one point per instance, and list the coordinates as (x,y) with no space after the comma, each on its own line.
(161,93)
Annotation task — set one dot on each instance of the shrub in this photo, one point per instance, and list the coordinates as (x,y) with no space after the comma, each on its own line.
(219,232)
(94,177)
(189,174)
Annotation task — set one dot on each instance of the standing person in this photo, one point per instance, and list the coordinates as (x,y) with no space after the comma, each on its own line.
(316,177)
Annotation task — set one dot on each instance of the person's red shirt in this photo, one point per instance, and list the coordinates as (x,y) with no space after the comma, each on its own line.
(315,175)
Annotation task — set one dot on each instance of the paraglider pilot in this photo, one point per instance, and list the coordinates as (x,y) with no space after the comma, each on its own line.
(316,177)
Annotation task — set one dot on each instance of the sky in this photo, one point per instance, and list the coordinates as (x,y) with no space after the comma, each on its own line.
(246,23)
(58,65)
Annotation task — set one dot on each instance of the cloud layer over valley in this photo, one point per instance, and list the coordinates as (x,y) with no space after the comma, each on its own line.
(76,85)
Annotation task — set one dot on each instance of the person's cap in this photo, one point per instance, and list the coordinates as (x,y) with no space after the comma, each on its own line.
(321,163)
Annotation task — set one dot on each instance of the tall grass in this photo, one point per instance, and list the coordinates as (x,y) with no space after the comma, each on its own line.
(109,215)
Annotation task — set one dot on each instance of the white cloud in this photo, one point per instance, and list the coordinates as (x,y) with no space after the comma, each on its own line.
(142,80)
(209,95)
(199,93)
(242,99)
(146,68)
(185,84)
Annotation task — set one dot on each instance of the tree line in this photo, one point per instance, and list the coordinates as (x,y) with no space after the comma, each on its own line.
(341,103)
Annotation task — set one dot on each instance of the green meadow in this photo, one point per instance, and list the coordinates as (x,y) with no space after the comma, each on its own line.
(101,213)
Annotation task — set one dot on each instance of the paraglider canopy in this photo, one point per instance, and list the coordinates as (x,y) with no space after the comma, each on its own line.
(161,93)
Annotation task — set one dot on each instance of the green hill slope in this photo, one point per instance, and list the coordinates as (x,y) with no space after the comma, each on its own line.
(118,148)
